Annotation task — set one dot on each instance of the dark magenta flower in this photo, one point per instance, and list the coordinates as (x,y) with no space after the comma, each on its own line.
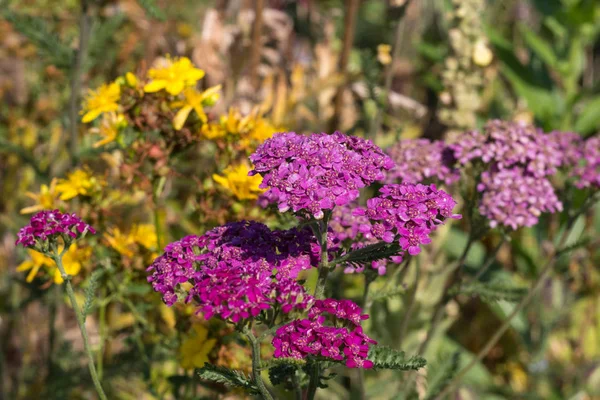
(317,172)
(49,226)
(343,340)
(237,270)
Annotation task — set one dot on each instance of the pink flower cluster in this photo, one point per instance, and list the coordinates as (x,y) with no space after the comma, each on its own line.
(418,160)
(342,341)
(352,232)
(317,172)
(515,198)
(519,159)
(237,270)
(408,213)
(509,144)
(588,174)
(47,226)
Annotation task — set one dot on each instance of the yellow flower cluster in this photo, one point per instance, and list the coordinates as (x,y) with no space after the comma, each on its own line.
(80,182)
(72,261)
(252,128)
(174,76)
(140,234)
(235,179)
(102,100)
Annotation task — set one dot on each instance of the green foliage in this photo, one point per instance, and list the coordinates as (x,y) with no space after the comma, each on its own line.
(367,254)
(37,31)
(441,374)
(227,377)
(101,38)
(90,292)
(492,291)
(384,357)
(387,294)
(152,9)
(281,374)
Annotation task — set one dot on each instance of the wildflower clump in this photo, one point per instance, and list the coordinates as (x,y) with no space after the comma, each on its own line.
(408,213)
(174,75)
(342,340)
(317,172)
(102,100)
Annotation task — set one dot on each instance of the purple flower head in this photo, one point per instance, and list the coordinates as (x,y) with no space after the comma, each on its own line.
(588,173)
(514,198)
(570,145)
(344,340)
(408,213)
(237,270)
(317,172)
(418,160)
(505,144)
(48,226)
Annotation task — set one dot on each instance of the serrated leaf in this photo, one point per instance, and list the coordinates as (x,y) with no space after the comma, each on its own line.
(227,377)
(492,291)
(384,357)
(372,252)
(90,293)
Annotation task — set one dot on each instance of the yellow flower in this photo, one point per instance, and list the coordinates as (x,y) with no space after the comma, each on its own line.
(195,100)
(45,199)
(120,242)
(383,54)
(213,131)
(72,260)
(109,129)
(131,79)
(237,181)
(194,350)
(78,182)
(178,74)
(145,235)
(104,99)
(142,234)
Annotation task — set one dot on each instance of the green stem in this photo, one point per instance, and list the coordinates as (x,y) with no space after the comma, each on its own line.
(315,373)
(490,259)
(102,330)
(264,392)
(52,307)
(81,323)
(297,388)
(410,305)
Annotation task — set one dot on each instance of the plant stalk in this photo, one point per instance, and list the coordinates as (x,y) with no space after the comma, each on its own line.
(264,392)
(81,323)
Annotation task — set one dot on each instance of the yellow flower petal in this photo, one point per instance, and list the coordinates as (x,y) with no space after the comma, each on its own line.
(181,117)
(154,86)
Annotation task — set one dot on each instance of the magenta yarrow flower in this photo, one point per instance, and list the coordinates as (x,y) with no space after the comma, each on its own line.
(317,172)
(408,214)
(570,145)
(588,172)
(343,340)
(237,270)
(48,226)
(418,160)
(513,198)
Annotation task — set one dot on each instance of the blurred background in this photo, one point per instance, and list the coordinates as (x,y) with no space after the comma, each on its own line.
(382,69)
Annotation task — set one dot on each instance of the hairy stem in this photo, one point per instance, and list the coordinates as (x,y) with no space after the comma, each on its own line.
(315,373)
(410,305)
(76,73)
(81,323)
(264,392)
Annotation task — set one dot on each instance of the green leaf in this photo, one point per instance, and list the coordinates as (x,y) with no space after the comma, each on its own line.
(492,291)
(90,293)
(589,118)
(373,252)
(384,357)
(539,46)
(36,30)
(281,374)
(441,374)
(152,9)
(227,377)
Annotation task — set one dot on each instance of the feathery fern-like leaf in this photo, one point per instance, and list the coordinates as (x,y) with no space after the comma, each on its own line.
(227,377)
(492,291)
(384,357)
(441,374)
(90,293)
